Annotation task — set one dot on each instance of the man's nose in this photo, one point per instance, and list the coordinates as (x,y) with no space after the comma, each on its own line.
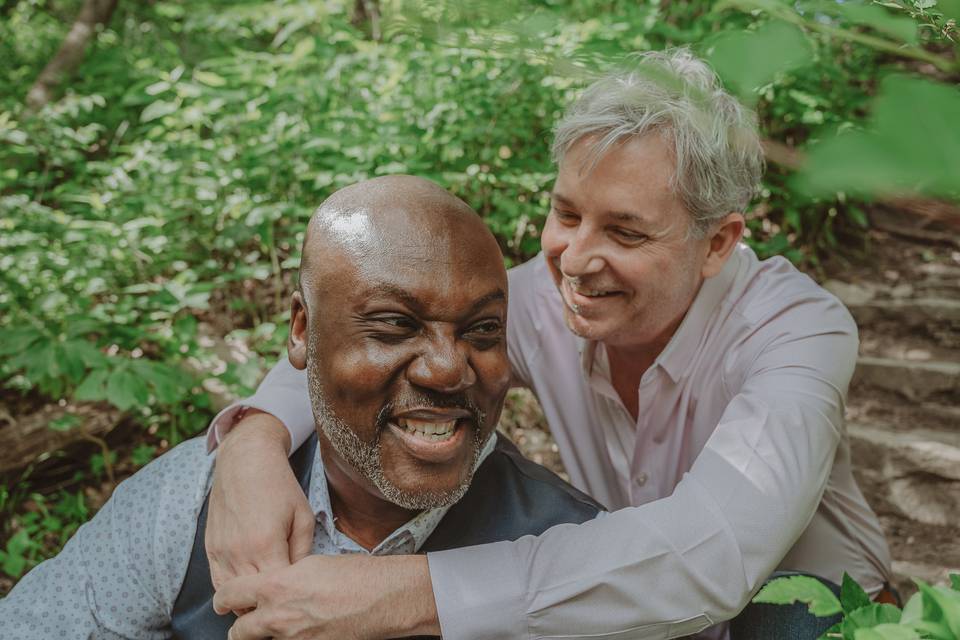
(443,366)
(581,256)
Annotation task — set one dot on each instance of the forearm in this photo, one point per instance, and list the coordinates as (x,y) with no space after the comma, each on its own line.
(664,569)
(407,606)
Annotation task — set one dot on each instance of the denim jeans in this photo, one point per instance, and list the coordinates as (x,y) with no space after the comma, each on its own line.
(781,622)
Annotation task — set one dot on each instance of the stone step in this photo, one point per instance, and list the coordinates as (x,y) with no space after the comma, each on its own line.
(913,312)
(935,574)
(915,472)
(931,308)
(914,380)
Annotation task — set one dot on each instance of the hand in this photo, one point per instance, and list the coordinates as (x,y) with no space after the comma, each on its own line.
(333,598)
(258,519)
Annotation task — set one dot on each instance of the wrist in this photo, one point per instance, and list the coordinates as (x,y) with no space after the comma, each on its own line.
(409,598)
(257,428)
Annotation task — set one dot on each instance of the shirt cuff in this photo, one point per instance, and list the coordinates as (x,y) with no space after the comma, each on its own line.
(480,592)
(228,418)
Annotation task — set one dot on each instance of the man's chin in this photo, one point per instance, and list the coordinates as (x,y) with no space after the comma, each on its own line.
(420,499)
(585,328)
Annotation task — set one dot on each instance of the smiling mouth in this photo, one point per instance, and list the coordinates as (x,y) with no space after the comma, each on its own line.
(429,430)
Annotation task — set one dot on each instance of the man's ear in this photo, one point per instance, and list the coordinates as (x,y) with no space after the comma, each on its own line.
(297,340)
(721,242)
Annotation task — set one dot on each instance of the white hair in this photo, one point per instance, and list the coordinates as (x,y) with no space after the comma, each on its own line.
(716,147)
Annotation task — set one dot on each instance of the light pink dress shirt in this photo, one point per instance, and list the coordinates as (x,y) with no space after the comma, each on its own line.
(738,465)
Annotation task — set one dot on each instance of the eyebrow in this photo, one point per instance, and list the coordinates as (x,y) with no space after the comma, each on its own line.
(623,216)
(388,290)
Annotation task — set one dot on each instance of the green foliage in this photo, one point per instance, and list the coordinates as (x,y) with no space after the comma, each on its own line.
(162,198)
(933,613)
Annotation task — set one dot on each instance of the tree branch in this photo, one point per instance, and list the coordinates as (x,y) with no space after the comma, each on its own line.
(71,52)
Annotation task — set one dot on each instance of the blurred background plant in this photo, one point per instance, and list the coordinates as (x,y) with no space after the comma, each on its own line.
(159,161)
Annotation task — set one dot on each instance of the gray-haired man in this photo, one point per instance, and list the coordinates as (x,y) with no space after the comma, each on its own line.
(695,390)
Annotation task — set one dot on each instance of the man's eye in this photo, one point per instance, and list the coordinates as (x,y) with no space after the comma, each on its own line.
(485,334)
(395,323)
(565,217)
(486,327)
(629,237)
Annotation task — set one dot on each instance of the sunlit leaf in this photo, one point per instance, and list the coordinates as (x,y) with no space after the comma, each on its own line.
(158,109)
(820,600)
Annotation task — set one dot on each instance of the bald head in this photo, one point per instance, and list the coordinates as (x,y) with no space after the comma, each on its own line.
(389,215)
(400,322)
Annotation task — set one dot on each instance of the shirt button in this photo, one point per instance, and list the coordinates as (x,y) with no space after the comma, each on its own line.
(640,479)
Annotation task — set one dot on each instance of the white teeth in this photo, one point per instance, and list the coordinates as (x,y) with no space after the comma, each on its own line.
(428,429)
(588,293)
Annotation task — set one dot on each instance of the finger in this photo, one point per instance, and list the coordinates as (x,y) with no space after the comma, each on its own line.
(274,556)
(250,626)
(236,595)
(301,533)
(217,573)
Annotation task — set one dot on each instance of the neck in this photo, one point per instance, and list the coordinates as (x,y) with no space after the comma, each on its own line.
(359,510)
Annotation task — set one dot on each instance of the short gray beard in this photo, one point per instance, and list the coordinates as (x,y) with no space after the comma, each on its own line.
(366,457)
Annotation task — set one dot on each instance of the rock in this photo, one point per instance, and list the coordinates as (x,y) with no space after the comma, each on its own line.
(929,573)
(913,379)
(918,471)
(850,294)
(911,312)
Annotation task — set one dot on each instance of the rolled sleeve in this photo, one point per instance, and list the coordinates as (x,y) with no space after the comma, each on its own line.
(282,394)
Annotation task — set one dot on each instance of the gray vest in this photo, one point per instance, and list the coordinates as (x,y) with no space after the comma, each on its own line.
(509,497)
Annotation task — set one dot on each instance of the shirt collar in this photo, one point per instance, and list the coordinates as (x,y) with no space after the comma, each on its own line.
(418,529)
(677,356)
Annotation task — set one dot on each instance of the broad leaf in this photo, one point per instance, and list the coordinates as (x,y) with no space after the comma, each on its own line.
(886,632)
(817,596)
(125,389)
(747,60)
(869,616)
(93,386)
(852,595)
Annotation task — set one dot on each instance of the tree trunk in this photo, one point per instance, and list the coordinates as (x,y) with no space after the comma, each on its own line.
(71,52)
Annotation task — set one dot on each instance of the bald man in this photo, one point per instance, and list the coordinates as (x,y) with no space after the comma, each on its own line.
(400,324)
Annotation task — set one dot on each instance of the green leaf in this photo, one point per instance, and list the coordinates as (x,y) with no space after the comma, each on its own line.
(64,423)
(93,387)
(852,595)
(886,632)
(142,454)
(18,340)
(879,19)
(209,78)
(158,109)
(955,581)
(941,604)
(868,617)
(910,145)
(167,382)
(125,389)
(304,48)
(746,60)
(820,600)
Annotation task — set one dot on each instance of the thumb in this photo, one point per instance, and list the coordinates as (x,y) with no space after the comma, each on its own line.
(301,531)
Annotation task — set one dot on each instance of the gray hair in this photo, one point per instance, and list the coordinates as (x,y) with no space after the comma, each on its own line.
(717,149)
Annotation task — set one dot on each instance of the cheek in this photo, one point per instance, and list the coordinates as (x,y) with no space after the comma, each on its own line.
(552,239)
(493,369)
(357,375)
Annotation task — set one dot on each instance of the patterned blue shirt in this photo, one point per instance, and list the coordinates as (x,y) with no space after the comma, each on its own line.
(119,575)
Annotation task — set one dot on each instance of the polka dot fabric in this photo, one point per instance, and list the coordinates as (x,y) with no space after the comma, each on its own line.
(120,574)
